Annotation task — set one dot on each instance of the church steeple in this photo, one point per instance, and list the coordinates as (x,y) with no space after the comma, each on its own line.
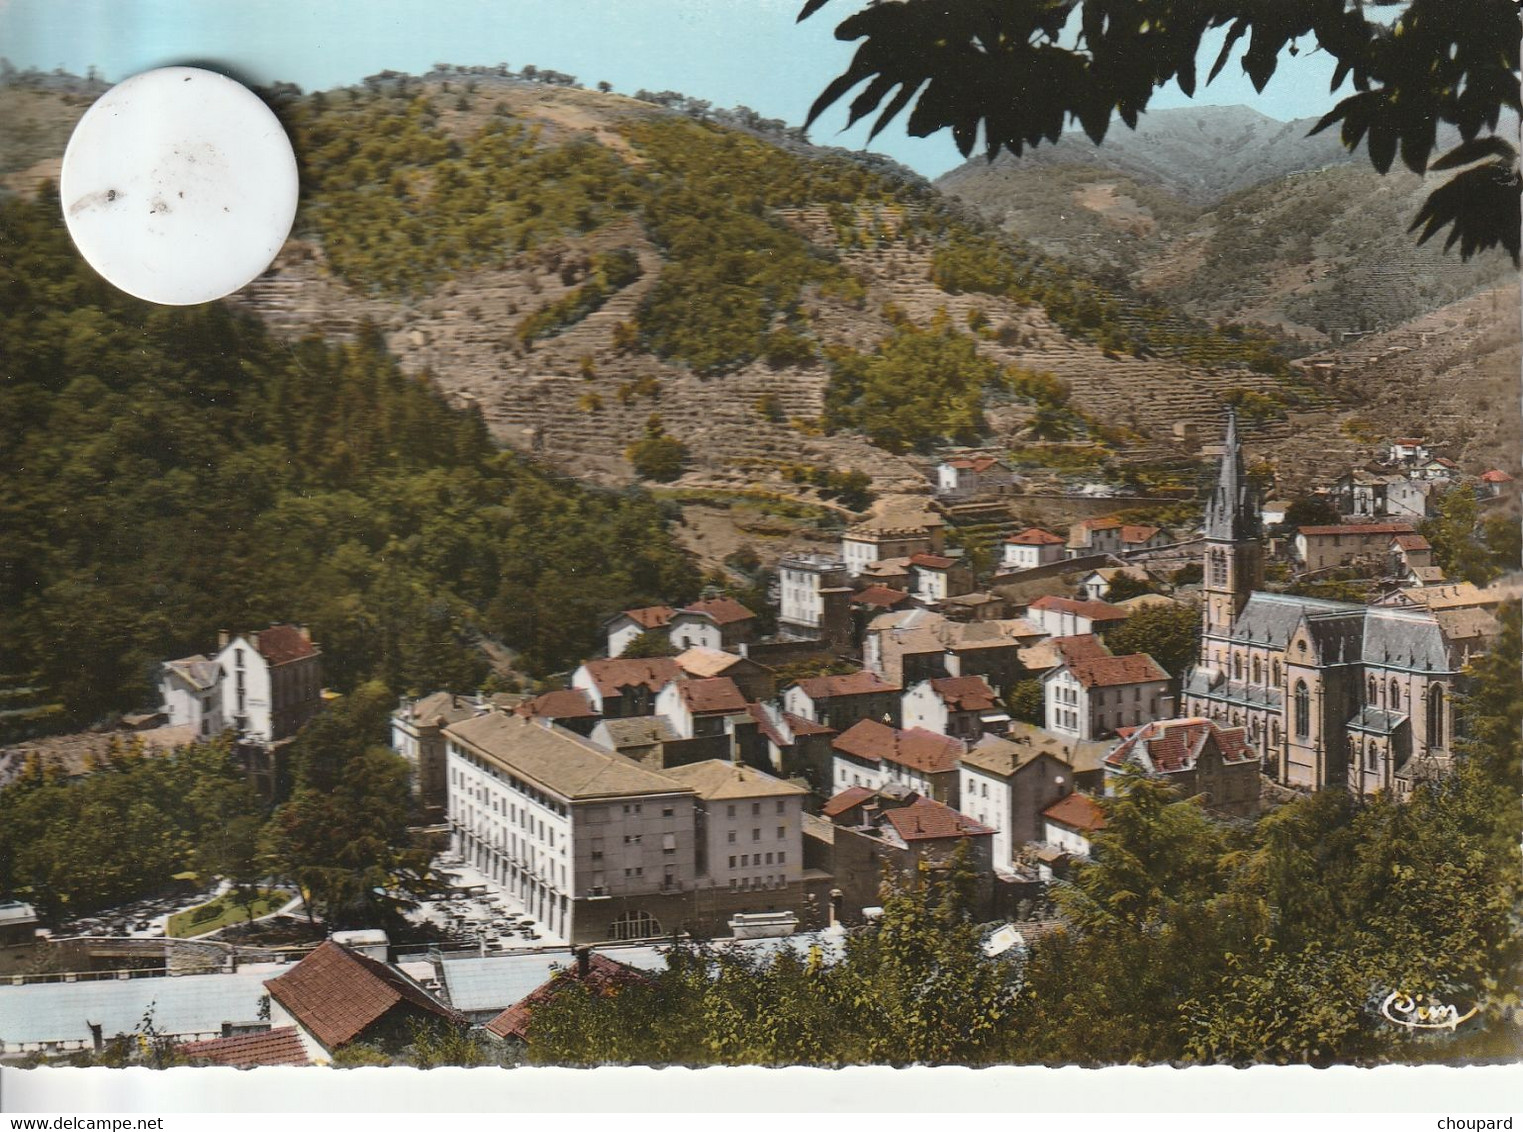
(1234,562)
(1234,512)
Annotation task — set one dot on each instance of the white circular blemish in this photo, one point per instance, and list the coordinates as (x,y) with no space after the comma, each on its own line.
(179,186)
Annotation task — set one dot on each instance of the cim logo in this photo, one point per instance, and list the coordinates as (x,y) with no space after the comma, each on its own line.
(1422,1012)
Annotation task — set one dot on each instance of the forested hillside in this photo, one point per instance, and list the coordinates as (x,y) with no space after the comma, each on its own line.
(170,472)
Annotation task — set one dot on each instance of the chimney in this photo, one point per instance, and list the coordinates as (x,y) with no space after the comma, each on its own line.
(583,961)
(95,1036)
(223,636)
(306,633)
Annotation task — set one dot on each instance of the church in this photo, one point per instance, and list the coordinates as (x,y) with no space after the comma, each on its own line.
(1333,694)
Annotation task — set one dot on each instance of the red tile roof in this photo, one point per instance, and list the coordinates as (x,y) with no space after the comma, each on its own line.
(1409,441)
(337,994)
(1081,646)
(1361,529)
(563,703)
(965,693)
(1174,745)
(649,617)
(281,1046)
(1093,610)
(722,610)
(848,799)
(1078,812)
(1412,542)
(707,697)
(928,820)
(1444,462)
(801,726)
(281,644)
(916,748)
(858,683)
(1035,536)
(618,672)
(881,596)
(1137,534)
(1111,671)
(1496,475)
(604,976)
(973,463)
(1097,524)
(932,561)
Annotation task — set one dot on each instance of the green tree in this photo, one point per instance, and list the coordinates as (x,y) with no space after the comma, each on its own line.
(1170,634)
(657,455)
(652,642)
(1023,69)
(1453,531)
(1311,511)
(1027,702)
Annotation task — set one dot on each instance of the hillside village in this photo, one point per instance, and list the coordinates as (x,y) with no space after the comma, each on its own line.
(910,715)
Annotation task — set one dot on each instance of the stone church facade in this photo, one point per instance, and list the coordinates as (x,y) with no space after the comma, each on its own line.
(1333,694)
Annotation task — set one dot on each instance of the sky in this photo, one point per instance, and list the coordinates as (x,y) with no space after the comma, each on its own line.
(728,52)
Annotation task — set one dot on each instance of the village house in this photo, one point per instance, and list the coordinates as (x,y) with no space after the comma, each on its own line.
(1028,549)
(336,996)
(1404,451)
(1068,830)
(623,628)
(1006,784)
(1195,756)
(1097,584)
(1330,693)
(716,623)
(913,645)
(590,970)
(1090,698)
(261,1049)
(190,692)
(965,477)
(695,708)
(935,577)
(640,737)
(1440,469)
(890,573)
(748,833)
(963,707)
(839,701)
(417,734)
(272,682)
(874,542)
(1138,537)
(569,707)
(908,835)
(1094,536)
(1495,482)
(594,845)
(814,598)
(754,680)
(1409,553)
(1324,547)
(1069,617)
(621,687)
(874,755)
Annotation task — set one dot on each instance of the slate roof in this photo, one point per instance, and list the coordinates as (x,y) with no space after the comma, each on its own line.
(721,610)
(281,644)
(1172,746)
(1078,812)
(563,703)
(200,672)
(603,975)
(916,748)
(610,675)
(557,760)
(1376,721)
(280,1046)
(929,820)
(337,994)
(715,780)
(1272,618)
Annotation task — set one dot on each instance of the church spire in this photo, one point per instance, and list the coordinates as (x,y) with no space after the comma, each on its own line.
(1233,513)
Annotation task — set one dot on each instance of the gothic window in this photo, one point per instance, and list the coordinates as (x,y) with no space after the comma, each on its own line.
(1237,667)
(1218,568)
(1258,671)
(1436,716)
(1374,693)
(1303,710)
(1277,673)
(1274,733)
(1395,704)
(1372,757)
